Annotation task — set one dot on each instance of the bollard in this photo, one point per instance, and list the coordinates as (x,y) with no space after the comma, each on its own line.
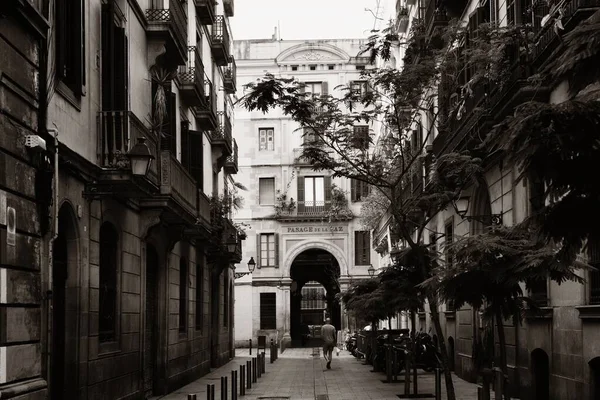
(257,364)
(271,353)
(250,341)
(248,374)
(406,373)
(210,392)
(242,380)
(191,397)
(233,384)
(223,388)
(388,362)
(438,384)
(254,376)
(264,363)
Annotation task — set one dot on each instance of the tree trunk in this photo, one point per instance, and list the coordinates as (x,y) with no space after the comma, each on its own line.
(435,317)
(502,343)
(390,323)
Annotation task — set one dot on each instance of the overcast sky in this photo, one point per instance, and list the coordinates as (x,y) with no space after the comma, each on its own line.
(306,19)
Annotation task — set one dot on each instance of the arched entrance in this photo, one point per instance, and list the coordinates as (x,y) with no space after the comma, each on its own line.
(64,343)
(322,269)
(540,372)
(595,378)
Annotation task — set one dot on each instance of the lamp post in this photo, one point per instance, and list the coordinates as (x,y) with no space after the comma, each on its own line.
(232,243)
(461,206)
(371,271)
(251,266)
(140,158)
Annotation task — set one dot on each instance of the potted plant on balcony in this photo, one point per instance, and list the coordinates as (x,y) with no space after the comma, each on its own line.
(283,206)
(338,209)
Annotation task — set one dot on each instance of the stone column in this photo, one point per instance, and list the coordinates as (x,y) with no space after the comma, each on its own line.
(286,340)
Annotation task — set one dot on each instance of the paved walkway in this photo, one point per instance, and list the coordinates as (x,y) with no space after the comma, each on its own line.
(298,375)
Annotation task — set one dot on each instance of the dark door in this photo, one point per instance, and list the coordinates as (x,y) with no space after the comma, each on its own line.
(151,321)
(595,379)
(214,320)
(540,369)
(58,385)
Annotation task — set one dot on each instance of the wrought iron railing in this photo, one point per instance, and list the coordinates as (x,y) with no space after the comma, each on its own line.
(434,15)
(175,16)
(224,130)
(230,74)
(233,158)
(220,33)
(118,132)
(193,71)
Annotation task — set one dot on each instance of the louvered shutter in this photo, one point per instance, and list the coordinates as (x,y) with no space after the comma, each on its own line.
(185,146)
(120,69)
(357,247)
(106,52)
(353,190)
(301,207)
(366,248)
(258,250)
(324,88)
(276,250)
(327,188)
(196,152)
(79,55)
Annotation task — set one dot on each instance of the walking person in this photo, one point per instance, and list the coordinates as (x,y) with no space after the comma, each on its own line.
(329,340)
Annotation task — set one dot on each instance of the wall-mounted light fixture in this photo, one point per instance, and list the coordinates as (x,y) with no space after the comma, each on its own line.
(140,158)
(461,206)
(251,266)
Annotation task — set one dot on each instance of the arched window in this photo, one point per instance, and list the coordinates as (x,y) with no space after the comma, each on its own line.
(107,319)
(200,293)
(183,294)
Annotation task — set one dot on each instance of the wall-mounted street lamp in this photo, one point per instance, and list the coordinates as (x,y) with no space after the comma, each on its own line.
(371,271)
(140,158)
(251,266)
(232,243)
(461,206)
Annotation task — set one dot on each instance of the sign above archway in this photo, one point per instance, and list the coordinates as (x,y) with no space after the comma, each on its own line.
(315,229)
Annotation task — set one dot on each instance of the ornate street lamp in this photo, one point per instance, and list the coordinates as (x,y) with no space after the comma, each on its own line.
(140,158)
(251,266)
(232,243)
(371,271)
(461,206)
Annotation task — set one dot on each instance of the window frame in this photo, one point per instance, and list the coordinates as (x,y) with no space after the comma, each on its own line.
(359,190)
(593,256)
(365,247)
(261,263)
(263,179)
(266,132)
(69,46)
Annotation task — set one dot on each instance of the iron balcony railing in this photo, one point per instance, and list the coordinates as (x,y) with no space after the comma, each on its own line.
(434,16)
(193,72)
(118,132)
(220,41)
(230,75)
(175,16)
(232,160)
(224,130)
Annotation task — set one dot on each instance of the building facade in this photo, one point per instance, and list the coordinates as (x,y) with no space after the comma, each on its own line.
(299,245)
(128,265)
(553,354)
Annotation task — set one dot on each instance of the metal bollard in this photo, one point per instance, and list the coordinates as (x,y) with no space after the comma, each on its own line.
(250,341)
(223,388)
(249,374)
(242,380)
(254,377)
(438,384)
(257,365)
(264,363)
(191,397)
(271,354)
(388,362)
(210,392)
(233,383)
(407,373)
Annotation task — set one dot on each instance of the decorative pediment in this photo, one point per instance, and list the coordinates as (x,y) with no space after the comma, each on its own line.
(312,53)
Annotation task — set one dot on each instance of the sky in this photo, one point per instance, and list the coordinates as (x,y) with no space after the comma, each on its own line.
(307,19)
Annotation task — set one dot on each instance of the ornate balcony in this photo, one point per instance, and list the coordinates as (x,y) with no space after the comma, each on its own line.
(228,6)
(170,25)
(231,165)
(118,132)
(206,112)
(434,17)
(205,11)
(229,76)
(191,78)
(221,137)
(220,41)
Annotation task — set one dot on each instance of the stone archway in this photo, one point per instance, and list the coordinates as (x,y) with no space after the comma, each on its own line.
(317,266)
(335,251)
(64,352)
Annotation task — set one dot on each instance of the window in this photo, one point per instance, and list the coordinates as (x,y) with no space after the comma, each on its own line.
(536,193)
(316,88)
(114,59)
(107,310)
(314,191)
(266,139)
(183,294)
(200,293)
(267,249)
(331,67)
(358,190)
(313,67)
(362,248)
(294,68)
(195,151)
(310,138)
(268,310)
(70,44)
(594,276)
(359,88)
(360,67)
(266,191)
(360,137)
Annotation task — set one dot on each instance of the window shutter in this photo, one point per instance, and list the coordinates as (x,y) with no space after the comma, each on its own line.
(301,194)
(366,247)
(327,190)
(173,123)
(196,155)
(258,250)
(120,69)
(79,30)
(324,88)
(185,146)
(61,40)
(353,190)
(357,247)
(107,46)
(276,250)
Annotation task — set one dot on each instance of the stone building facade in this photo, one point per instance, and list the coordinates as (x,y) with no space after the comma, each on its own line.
(294,247)
(553,354)
(131,282)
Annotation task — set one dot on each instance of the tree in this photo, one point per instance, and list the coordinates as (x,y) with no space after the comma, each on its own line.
(415,186)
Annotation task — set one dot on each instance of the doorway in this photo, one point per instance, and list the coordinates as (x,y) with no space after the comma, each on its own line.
(451,353)
(151,319)
(540,371)
(215,302)
(64,340)
(595,378)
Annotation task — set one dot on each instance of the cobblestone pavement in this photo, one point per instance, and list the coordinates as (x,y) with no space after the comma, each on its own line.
(298,375)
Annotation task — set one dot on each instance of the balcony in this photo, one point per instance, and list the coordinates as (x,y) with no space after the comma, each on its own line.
(434,17)
(191,78)
(228,6)
(221,137)
(206,112)
(229,76)
(220,42)
(170,25)
(231,165)
(118,131)
(205,11)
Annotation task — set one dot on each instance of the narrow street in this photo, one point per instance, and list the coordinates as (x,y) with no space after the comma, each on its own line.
(298,375)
